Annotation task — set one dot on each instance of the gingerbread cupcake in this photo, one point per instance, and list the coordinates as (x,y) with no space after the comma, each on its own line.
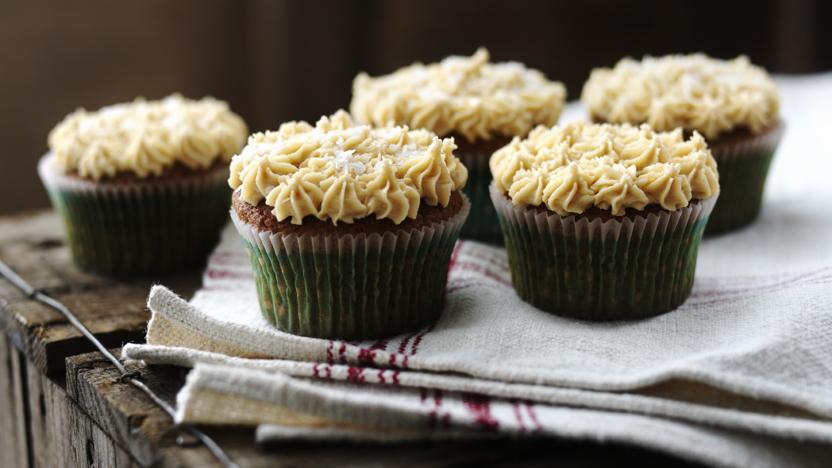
(141,185)
(733,103)
(349,228)
(481,105)
(603,222)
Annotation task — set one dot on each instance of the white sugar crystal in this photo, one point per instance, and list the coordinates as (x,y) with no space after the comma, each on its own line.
(510,67)
(171,100)
(267,148)
(343,159)
(86,126)
(411,151)
(433,95)
(691,81)
(730,79)
(173,121)
(132,124)
(112,111)
(357,167)
(389,132)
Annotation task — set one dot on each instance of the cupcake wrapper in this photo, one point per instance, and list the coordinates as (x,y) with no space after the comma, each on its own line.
(743,166)
(615,269)
(139,228)
(482,224)
(352,287)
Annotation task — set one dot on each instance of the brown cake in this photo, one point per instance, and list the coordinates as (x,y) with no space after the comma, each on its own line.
(262,218)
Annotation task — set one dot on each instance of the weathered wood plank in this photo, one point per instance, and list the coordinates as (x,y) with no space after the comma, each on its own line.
(41,446)
(13,449)
(129,416)
(115,311)
(63,435)
(41,427)
(32,244)
(115,316)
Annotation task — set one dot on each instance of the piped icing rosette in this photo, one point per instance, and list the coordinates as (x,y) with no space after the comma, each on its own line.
(694,92)
(574,167)
(464,95)
(342,171)
(146,137)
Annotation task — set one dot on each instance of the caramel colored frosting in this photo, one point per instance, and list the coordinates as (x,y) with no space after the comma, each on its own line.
(693,92)
(342,171)
(147,137)
(613,167)
(462,95)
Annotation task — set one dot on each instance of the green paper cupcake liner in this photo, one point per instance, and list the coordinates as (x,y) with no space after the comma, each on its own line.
(743,167)
(482,224)
(590,268)
(131,229)
(349,286)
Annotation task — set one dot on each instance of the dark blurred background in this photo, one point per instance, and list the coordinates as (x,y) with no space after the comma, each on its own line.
(283,60)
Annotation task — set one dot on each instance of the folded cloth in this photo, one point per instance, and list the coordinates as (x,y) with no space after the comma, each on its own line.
(396,414)
(740,374)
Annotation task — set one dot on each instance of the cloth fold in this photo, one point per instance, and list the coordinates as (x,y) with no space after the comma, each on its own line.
(400,414)
(740,374)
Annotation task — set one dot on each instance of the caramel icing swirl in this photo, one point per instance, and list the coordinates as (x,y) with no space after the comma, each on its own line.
(463,95)
(146,137)
(342,171)
(694,92)
(574,167)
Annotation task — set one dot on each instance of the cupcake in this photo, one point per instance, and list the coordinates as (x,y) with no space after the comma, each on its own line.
(733,103)
(141,185)
(481,105)
(349,228)
(603,222)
